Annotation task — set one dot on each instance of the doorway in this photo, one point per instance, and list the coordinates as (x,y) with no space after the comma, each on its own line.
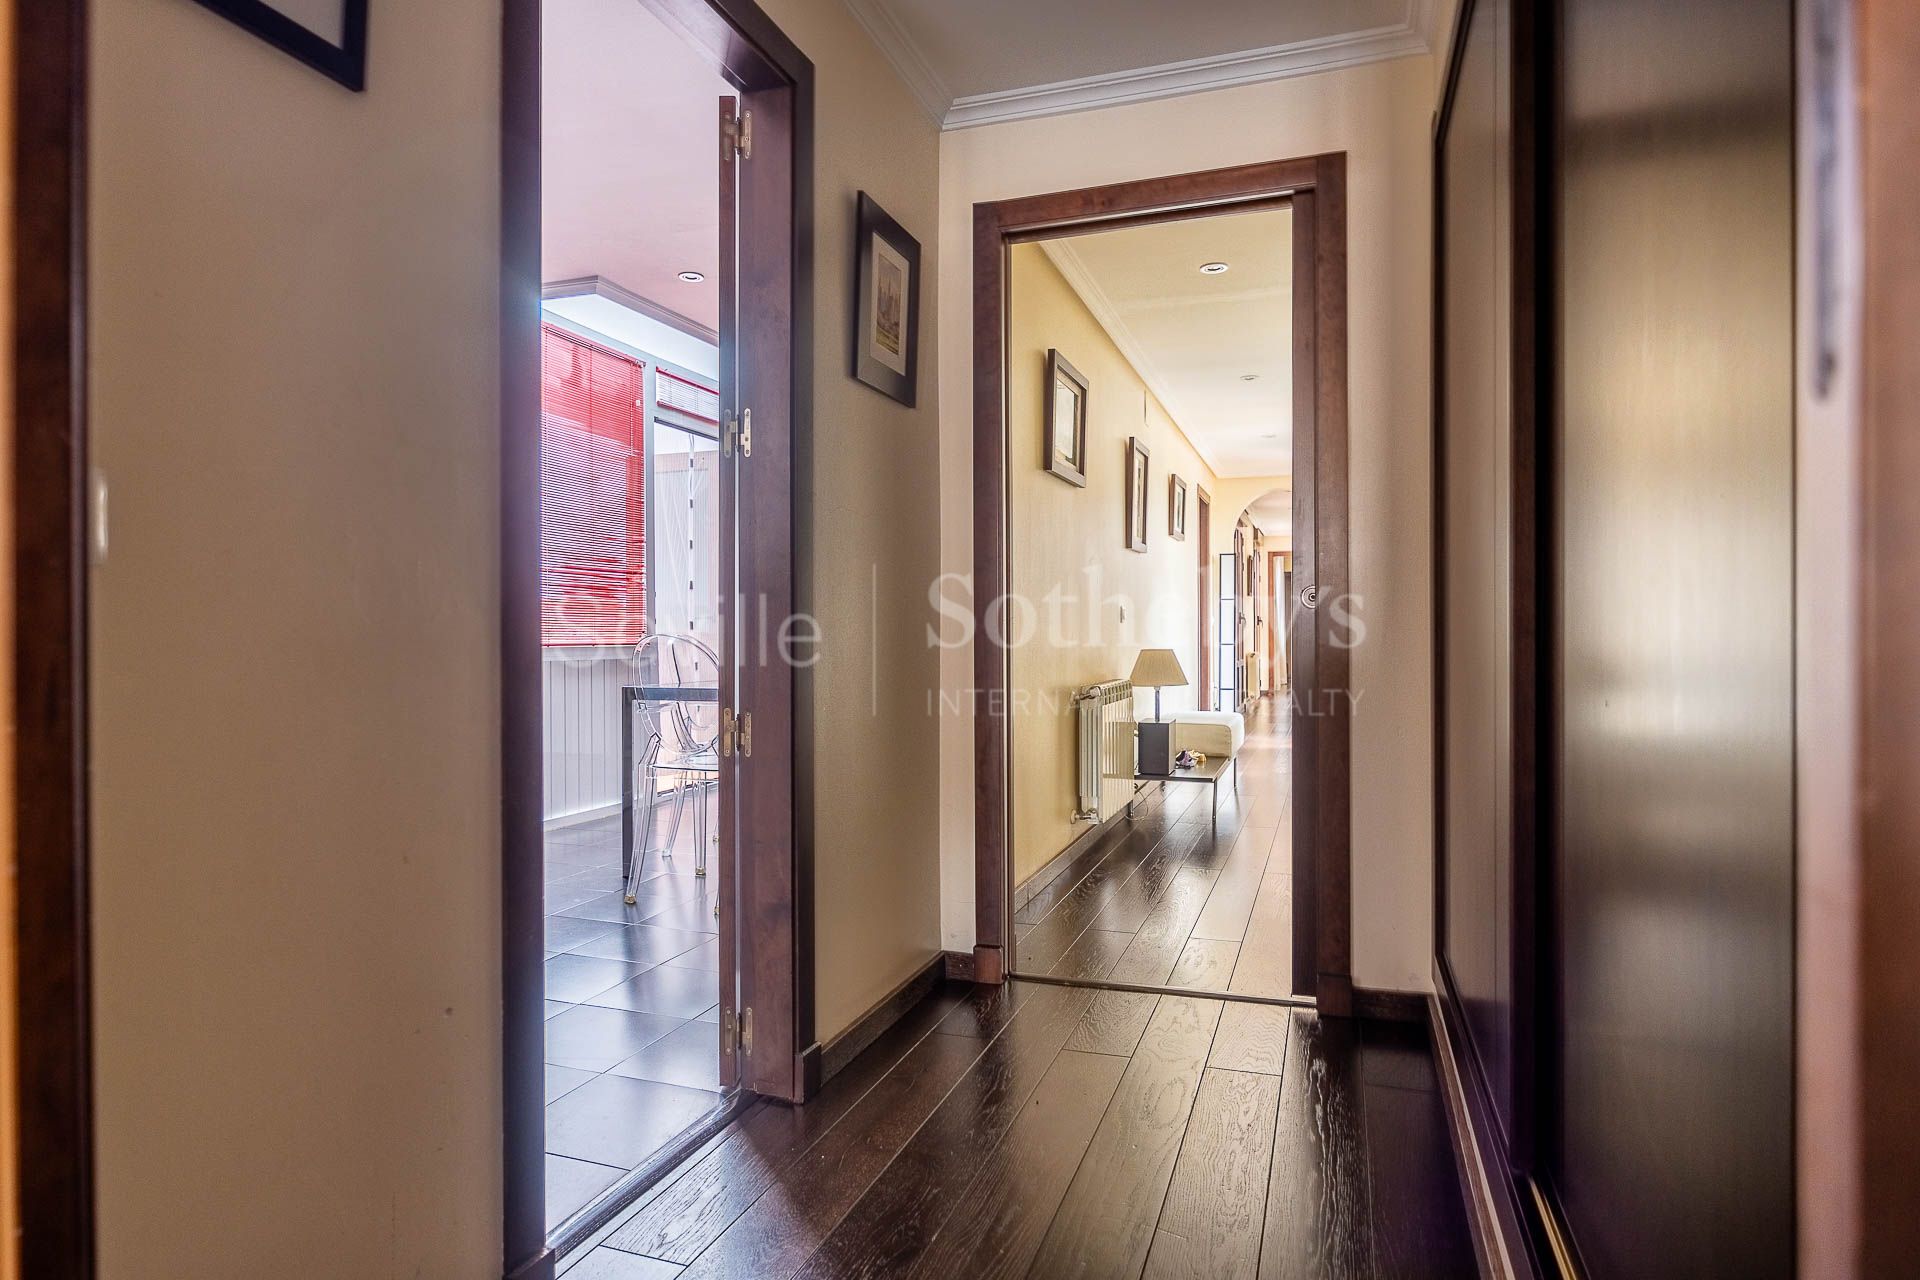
(657,292)
(1312,191)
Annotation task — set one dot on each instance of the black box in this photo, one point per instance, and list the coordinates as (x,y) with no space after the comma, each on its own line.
(1156,747)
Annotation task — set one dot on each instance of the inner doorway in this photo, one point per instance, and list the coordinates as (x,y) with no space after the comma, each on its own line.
(1146,893)
(654,179)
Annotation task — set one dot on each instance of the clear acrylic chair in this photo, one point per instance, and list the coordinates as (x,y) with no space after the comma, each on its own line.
(690,761)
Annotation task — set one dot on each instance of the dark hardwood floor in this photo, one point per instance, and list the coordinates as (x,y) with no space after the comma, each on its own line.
(1051,1132)
(1188,895)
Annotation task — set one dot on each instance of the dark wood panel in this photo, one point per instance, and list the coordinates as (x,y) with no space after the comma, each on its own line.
(1113,1023)
(897,1218)
(1672,438)
(1105,1225)
(1318,1217)
(998,1221)
(54,1105)
(1211,1222)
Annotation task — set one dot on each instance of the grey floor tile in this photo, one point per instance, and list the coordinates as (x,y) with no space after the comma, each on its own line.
(615,1120)
(572,1183)
(689,1056)
(673,993)
(588,1038)
(575,977)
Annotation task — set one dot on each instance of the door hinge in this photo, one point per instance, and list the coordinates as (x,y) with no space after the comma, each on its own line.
(743,732)
(727,729)
(740,134)
(738,431)
(729,1032)
(746,1031)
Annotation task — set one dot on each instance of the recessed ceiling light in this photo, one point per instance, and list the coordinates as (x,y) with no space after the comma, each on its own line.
(1212,268)
(693,277)
(1271,435)
(1249,377)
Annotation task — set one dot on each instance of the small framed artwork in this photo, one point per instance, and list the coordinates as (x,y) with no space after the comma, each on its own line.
(886,337)
(1066,416)
(1176,508)
(1136,494)
(328,35)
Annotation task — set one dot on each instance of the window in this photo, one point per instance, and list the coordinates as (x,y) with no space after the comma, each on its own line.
(592,494)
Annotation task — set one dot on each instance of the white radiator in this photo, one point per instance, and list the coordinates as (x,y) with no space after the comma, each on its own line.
(1104,713)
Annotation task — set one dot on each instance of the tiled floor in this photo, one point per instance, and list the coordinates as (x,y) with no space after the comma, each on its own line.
(633,993)
(1187,896)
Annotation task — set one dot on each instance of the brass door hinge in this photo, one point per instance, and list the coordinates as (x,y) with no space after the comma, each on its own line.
(729,1032)
(743,730)
(726,731)
(740,135)
(746,1031)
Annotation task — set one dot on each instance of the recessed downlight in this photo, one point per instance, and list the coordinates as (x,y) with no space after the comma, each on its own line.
(693,277)
(1213,268)
(1249,377)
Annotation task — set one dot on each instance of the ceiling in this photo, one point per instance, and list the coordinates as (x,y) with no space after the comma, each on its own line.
(630,167)
(1194,337)
(988,60)
(1272,512)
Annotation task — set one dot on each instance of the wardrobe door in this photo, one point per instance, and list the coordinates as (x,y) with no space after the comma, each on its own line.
(1670,1144)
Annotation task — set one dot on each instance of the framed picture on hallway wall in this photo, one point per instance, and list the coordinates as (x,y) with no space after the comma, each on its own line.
(886,336)
(1066,419)
(1136,494)
(1176,508)
(328,35)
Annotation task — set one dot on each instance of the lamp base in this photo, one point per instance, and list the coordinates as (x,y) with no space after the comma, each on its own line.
(1156,747)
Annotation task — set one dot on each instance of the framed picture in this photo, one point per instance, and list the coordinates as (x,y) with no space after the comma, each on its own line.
(328,35)
(1066,416)
(886,336)
(1176,508)
(1136,494)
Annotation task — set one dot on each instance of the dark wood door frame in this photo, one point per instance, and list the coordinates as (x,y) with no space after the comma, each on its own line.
(1203,512)
(54,1098)
(1315,188)
(775,877)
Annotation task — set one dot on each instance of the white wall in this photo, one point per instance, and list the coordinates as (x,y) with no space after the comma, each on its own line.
(1380,114)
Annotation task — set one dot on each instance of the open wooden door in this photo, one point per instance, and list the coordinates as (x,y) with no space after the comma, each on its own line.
(761,1012)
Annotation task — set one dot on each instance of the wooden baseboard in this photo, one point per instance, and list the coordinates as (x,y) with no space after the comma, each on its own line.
(1094,835)
(1390,1006)
(539,1267)
(868,1027)
(959,965)
(1494,1212)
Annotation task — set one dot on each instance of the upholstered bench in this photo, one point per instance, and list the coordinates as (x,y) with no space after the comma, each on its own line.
(1212,733)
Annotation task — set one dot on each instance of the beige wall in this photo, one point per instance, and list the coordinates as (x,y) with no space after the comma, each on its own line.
(1380,114)
(1061,534)
(295,648)
(295,658)
(876,468)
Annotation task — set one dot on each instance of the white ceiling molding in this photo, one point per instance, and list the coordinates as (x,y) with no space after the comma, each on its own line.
(1067,262)
(899,50)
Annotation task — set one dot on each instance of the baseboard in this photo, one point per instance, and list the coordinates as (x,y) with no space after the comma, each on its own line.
(1494,1213)
(959,965)
(580,817)
(1024,892)
(868,1027)
(1389,1006)
(538,1267)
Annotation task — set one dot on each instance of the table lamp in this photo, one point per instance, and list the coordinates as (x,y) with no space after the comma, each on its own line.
(1157,669)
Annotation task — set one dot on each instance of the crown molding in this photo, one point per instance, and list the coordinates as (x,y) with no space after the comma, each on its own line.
(1067,261)
(1411,36)
(898,48)
(1197,75)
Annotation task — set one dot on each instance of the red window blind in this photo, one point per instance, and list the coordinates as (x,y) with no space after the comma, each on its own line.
(592,501)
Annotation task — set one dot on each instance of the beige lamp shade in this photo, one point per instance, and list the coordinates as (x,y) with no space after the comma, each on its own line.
(1157,669)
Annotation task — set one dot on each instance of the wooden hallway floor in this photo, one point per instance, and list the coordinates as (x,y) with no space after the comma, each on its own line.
(1052,1132)
(1185,895)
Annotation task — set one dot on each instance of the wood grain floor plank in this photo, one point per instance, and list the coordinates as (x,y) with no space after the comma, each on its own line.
(1093,955)
(1163,935)
(1210,1225)
(1319,1220)
(1252,1037)
(1265,966)
(900,1213)
(1420,1227)
(1113,1023)
(1231,903)
(998,1220)
(1204,964)
(1104,1227)
(691,1212)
